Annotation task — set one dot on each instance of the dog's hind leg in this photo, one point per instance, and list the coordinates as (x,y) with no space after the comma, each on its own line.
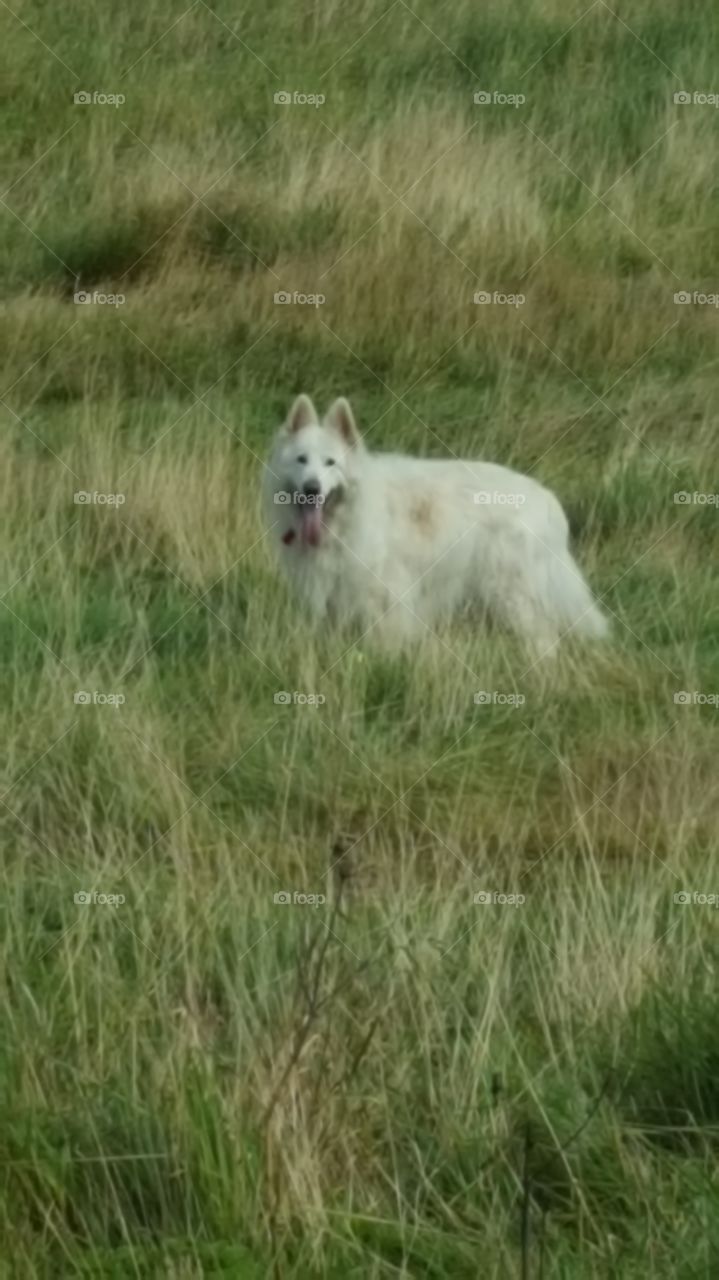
(527,618)
(546,602)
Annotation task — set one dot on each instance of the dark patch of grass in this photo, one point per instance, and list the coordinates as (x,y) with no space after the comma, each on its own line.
(120,251)
(671,1093)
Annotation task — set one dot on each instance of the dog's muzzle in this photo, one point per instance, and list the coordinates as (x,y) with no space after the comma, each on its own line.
(313,510)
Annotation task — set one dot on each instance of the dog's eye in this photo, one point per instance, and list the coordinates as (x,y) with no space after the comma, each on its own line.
(329,462)
(302,459)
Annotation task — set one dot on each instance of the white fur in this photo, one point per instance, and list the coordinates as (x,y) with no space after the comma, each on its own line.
(409,543)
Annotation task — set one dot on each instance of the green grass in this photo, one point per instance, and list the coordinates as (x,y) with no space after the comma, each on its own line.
(399,1081)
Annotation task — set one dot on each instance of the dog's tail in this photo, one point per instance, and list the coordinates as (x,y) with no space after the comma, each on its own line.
(571,600)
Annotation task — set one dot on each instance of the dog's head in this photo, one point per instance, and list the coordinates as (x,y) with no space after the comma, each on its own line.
(315,463)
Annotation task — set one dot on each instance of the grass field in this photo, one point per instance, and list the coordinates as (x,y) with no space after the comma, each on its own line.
(400,1081)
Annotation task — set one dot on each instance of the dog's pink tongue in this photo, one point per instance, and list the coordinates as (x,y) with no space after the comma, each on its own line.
(311,526)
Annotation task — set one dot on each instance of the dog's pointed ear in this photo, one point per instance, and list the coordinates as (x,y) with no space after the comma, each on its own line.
(302,414)
(342,420)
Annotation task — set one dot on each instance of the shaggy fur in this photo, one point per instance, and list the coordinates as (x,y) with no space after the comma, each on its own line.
(400,544)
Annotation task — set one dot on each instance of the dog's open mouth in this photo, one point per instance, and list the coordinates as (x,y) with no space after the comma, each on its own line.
(314,517)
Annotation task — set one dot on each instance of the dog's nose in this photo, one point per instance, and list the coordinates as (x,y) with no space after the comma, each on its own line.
(311,489)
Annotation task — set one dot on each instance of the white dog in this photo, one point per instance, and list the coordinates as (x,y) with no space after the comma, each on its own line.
(402,543)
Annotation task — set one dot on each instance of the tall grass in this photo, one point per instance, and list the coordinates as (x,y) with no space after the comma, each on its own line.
(482,1039)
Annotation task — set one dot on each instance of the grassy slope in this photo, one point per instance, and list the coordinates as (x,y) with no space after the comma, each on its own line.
(200,1081)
